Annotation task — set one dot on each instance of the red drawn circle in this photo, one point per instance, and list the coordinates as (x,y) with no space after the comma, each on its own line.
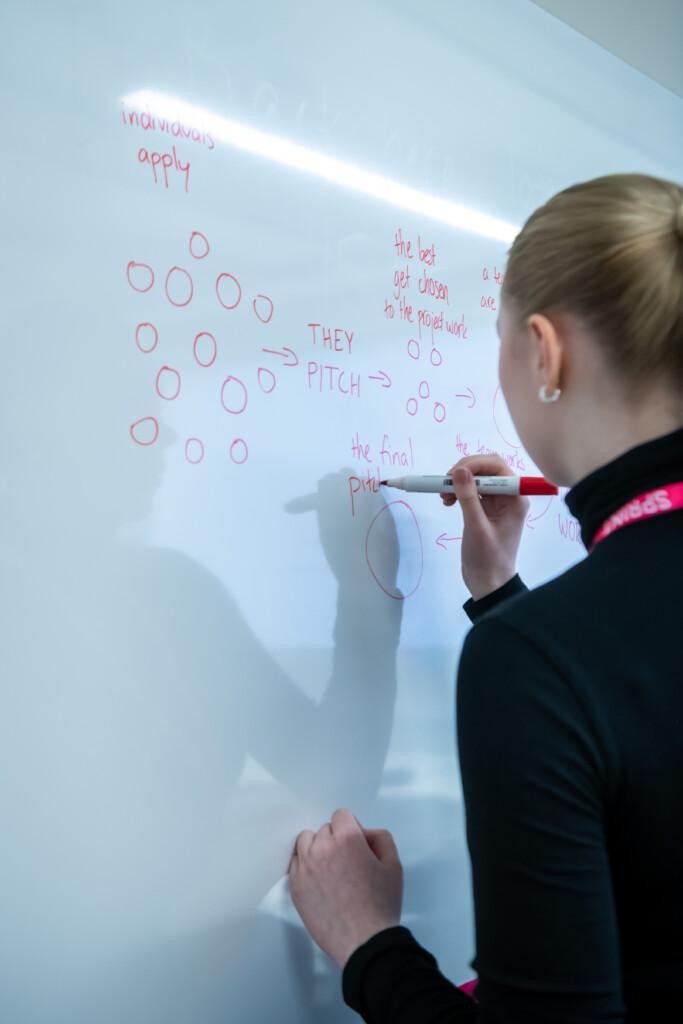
(235,282)
(155,337)
(264,370)
(199,451)
(188,284)
(168,379)
(135,268)
(195,345)
(413,522)
(441,412)
(155,430)
(423,392)
(245,397)
(411,406)
(438,361)
(245,453)
(265,319)
(202,242)
(414,353)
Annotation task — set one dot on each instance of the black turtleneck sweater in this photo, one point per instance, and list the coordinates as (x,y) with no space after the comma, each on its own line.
(570,738)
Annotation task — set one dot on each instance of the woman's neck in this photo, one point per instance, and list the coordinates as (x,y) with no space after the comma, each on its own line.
(606,432)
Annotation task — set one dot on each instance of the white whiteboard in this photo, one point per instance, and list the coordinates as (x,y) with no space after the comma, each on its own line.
(199,633)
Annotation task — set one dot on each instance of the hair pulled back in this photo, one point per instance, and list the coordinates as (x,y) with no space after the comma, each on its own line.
(610,251)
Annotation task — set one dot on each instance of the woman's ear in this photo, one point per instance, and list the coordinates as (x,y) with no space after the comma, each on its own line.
(549,348)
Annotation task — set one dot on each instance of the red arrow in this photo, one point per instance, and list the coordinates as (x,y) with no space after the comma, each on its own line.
(384,376)
(283,353)
(471,395)
(532,519)
(442,538)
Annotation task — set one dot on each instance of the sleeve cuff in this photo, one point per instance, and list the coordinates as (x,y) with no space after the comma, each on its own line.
(475,609)
(398,937)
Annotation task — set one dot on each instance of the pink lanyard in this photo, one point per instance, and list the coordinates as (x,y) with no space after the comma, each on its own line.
(652,503)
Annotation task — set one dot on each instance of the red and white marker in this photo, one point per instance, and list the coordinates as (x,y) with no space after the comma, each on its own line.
(484,484)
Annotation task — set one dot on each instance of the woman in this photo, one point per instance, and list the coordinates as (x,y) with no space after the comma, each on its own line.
(572,754)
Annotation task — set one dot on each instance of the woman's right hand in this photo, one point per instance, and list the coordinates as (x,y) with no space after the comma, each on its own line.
(493,525)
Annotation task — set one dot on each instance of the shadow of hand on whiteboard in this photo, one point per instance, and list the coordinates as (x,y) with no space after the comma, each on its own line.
(346,734)
(138,842)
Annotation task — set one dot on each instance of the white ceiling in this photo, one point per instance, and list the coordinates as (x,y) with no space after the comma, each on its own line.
(648,34)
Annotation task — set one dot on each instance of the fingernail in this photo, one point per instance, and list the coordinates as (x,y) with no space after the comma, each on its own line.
(462,475)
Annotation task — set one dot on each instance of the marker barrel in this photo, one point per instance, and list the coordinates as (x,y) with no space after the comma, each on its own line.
(484,484)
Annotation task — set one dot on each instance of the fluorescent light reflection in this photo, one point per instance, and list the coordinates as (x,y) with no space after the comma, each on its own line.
(310,161)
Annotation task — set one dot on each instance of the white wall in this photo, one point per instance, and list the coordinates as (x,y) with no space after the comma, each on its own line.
(647,34)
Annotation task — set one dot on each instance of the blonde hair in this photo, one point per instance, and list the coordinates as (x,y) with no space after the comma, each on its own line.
(610,251)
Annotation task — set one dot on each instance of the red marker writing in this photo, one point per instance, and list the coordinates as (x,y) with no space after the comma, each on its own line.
(484,484)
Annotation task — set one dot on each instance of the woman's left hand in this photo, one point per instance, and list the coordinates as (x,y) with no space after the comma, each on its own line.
(347,884)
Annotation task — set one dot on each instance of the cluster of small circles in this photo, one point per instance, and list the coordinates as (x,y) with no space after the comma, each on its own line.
(424,392)
(179,290)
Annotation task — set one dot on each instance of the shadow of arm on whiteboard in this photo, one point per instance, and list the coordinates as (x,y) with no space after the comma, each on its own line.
(228,697)
(342,738)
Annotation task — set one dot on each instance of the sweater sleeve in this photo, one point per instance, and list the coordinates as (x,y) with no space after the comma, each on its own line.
(534,778)
(392,979)
(475,609)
